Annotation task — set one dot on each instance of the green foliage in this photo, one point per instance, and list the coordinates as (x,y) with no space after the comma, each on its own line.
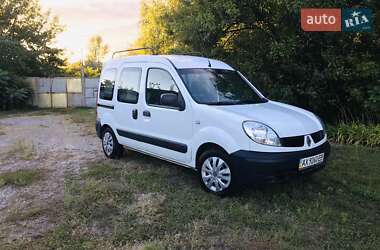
(14,92)
(96,52)
(26,36)
(355,133)
(335,74)
(74,70)
(92,67)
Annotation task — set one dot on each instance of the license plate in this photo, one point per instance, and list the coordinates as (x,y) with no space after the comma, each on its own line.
(311,161)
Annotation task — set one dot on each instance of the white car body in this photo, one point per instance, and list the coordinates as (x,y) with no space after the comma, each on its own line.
(178,136)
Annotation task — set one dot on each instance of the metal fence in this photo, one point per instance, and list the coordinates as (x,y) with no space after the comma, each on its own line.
(62,92)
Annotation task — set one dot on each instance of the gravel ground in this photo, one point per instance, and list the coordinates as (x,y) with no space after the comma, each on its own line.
(53,145)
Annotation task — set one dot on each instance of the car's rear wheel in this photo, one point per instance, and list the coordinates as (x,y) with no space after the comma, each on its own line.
(111,147)
(216,172)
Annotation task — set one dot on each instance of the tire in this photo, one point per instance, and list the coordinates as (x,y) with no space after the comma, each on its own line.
(216,173)
(111,147)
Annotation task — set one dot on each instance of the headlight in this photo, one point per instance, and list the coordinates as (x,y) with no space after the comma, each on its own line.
(261,133)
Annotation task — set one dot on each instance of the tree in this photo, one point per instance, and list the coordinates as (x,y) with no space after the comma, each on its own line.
(92,67)
(96,52)
(335,74)
(14,91)
(26,38)
(74,70)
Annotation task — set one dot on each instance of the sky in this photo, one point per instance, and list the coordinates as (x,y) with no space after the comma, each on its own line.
(117,21)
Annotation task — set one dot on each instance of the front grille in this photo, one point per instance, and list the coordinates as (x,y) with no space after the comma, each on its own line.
(299,141)
(295,141)
(318,136)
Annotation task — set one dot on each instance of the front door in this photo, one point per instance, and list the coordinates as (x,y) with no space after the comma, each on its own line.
(165,126)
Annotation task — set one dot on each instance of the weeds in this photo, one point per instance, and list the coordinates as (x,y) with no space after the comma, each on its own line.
(23,149)
(31,213)
(22,177)
(356,133)
(86,117)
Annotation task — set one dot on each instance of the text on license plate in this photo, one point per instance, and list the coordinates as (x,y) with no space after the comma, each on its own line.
(311,161)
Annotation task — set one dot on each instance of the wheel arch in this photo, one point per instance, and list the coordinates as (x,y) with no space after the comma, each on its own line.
(205,147)
(104,127)
(227,140)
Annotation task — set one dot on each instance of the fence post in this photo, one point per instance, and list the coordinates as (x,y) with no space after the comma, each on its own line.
(67,94)
(51,92)
(83,83)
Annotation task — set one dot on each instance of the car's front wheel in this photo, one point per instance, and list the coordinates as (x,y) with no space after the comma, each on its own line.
(216,172)
(111,147)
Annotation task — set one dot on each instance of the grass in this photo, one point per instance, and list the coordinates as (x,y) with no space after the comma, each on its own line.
(145,202)
(84,116)
(23,149)
(20,178)
(32,213)
(43,111)
(25,111)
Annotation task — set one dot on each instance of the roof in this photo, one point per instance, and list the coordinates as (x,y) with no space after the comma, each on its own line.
(179,61)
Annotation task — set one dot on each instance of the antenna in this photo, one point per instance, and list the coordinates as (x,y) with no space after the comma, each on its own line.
(129,50)
(196,53)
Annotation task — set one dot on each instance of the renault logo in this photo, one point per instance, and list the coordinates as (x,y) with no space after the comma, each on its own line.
(308,141)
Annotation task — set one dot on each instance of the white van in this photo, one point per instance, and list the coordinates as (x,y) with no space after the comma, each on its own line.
(203,114)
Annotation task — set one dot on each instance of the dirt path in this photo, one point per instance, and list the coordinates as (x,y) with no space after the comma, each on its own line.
(51,144)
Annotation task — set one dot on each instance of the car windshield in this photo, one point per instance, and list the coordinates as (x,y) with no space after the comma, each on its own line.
(219,87)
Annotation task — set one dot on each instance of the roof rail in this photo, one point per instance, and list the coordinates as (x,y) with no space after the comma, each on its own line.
(129,50)
(192,53)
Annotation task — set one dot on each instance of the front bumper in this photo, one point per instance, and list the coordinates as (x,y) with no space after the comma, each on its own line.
(268,167)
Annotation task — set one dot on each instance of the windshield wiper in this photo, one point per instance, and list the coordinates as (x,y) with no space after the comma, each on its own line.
(261,100)
(220,103)
(235,103)
(248,102)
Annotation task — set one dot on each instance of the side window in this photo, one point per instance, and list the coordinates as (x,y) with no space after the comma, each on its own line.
(159,82)
(129,84)
(107,83)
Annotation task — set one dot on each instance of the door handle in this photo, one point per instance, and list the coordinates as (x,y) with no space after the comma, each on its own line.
(134,114)
(146,113)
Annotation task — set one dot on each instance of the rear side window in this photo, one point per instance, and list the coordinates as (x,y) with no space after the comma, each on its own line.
(159,82)
(129,84)
(107,83)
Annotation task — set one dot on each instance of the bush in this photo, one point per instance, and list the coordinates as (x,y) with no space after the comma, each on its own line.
(14,91)
(333,74)
(355,133)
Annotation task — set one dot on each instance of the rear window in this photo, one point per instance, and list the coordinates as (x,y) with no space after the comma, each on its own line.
(107,84)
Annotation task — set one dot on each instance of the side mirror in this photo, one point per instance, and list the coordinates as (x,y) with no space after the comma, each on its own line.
(172,100)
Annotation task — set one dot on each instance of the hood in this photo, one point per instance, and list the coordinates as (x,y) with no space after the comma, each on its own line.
(285,119)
